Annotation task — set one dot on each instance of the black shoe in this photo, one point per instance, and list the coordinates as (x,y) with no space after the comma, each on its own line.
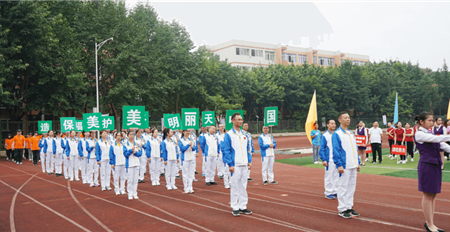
(353,212)
(208,183)
(273,182)
(345,214)
(178,177)
(196,172)
(245,211)
(213,183)
(250,179)
(162,174)
(220,177)
(374,162)
(48,174)
(236,213)
(266,183)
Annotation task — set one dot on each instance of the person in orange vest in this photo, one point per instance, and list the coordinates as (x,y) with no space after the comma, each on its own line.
(34,141)
(8,146)
(18,145)
(28,147)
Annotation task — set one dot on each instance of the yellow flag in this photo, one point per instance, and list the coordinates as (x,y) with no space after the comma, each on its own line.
(448,111)
(312,117)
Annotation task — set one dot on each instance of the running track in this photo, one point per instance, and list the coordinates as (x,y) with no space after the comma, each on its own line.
(33,201)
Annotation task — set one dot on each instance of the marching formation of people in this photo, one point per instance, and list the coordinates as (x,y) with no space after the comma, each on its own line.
(123,156)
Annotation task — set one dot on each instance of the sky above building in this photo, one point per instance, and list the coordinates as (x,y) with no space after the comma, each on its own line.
(404,31)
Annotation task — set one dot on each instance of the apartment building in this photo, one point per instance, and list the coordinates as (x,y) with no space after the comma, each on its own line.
(248,54)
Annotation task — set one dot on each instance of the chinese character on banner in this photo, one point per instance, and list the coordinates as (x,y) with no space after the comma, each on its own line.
(91,121)
(271,116)
(190,118)
(172,121)
(133,117)
(67,124)
(44,126)
(107,122)
(79,125)
(208,118)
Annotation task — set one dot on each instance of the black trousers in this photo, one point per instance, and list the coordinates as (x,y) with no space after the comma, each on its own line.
(391,142)
(9,154)
(35,156)
(376,148)
(410,149)
(26,153)
(402,157)
(18,153)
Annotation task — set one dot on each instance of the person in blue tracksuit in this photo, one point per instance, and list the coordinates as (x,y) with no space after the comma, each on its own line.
(83,153)
(58,153)
(211,149)
(250,141)
(64,143)
(117,159)
(48,151)
(266,144)
(102,157)
(200,137)
(72,155)
(188,155)
(153,152)
(42,155)
(194,138)
(92,169)
(132,165)
(237,156)
(171,158)
(346,158)
(331,179)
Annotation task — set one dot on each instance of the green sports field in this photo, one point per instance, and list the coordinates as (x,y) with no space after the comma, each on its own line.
(388,168)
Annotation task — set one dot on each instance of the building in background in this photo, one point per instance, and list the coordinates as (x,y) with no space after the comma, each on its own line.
(247,54)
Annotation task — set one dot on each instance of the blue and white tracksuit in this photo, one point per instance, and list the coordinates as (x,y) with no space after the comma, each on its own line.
(42,142)
(331,179)
(72,153)
(170,155)
(267,155)
(188,156)
(211,151)
(153,152)
(251,148)
(236,154)
(117,158)
(83,146)
(92,169)
(220,165)
(102,155)
(58,154)
(345,154)
(64,158)
(143,159)
(200,137)
(132,165)
(48,151)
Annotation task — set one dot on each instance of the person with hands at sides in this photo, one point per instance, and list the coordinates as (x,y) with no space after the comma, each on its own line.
(315,139)
(431,163)
(18,143)
(42,154)
(250,141)
(117,160)
(238,158)
(399,139)
(346,158)
(331,179)
(375,141)
(72,155)
(153,153)
(170,156)
(92,168)
(267,143)
(102,155)
(132,155)
(211,148)
(188,155)
(58,153)
(390,134)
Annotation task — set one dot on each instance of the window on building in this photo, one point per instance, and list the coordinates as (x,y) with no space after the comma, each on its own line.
(242,51)
(315,59)
(270,55)
(326,61)
(302,59)
(289,57)
(257,53)
(360,63)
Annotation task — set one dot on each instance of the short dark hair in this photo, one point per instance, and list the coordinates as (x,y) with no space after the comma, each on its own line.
(234,115)
(422,116)
(374,121)
(329,120)
(342,113)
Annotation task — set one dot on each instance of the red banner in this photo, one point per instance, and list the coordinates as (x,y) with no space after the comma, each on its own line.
(398,150)
(360,140)
(369,149)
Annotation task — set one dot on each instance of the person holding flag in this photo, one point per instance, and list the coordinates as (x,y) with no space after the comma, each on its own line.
(326,155)
(238,158)
(211,149)
(346,158)
(102,147)
(267,143)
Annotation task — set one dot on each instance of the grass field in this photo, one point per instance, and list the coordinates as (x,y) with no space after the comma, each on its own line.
(388,168)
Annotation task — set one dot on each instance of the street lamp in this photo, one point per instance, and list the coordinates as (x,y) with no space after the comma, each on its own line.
(97,47)
(257,124)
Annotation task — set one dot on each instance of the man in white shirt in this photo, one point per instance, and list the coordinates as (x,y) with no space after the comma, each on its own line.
(375,141)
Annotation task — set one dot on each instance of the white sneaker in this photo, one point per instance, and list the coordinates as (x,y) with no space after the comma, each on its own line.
(191,191)
(174,187)
(77,179)
(195,180)
(153,184)
(71,179)
(157,183)
(117,193)
(227,186)
(123,192)
(404,161)
(103,189)
(367,159)
(91,185)
(66,177)
(392,157)
(108,188)
(130,197)
(20,163)
(186,191)
(169,188)
(412,160)
(135,197)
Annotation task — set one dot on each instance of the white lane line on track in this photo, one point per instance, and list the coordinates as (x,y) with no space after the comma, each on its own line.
(114,203)
(227,211)
(85,210)
(13,203)
(318,209)
(48,208)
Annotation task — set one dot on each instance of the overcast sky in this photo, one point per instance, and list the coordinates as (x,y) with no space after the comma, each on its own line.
(404,31)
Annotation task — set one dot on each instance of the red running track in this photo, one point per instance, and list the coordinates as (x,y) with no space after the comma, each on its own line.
(49,203)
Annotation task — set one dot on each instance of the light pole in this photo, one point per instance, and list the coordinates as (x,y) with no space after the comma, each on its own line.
(97,47)
(257,124)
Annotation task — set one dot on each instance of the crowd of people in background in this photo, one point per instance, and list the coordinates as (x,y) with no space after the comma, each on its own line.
(129,155)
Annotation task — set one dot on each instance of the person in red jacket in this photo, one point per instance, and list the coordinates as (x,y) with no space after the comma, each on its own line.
(409,141)
(399,139)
